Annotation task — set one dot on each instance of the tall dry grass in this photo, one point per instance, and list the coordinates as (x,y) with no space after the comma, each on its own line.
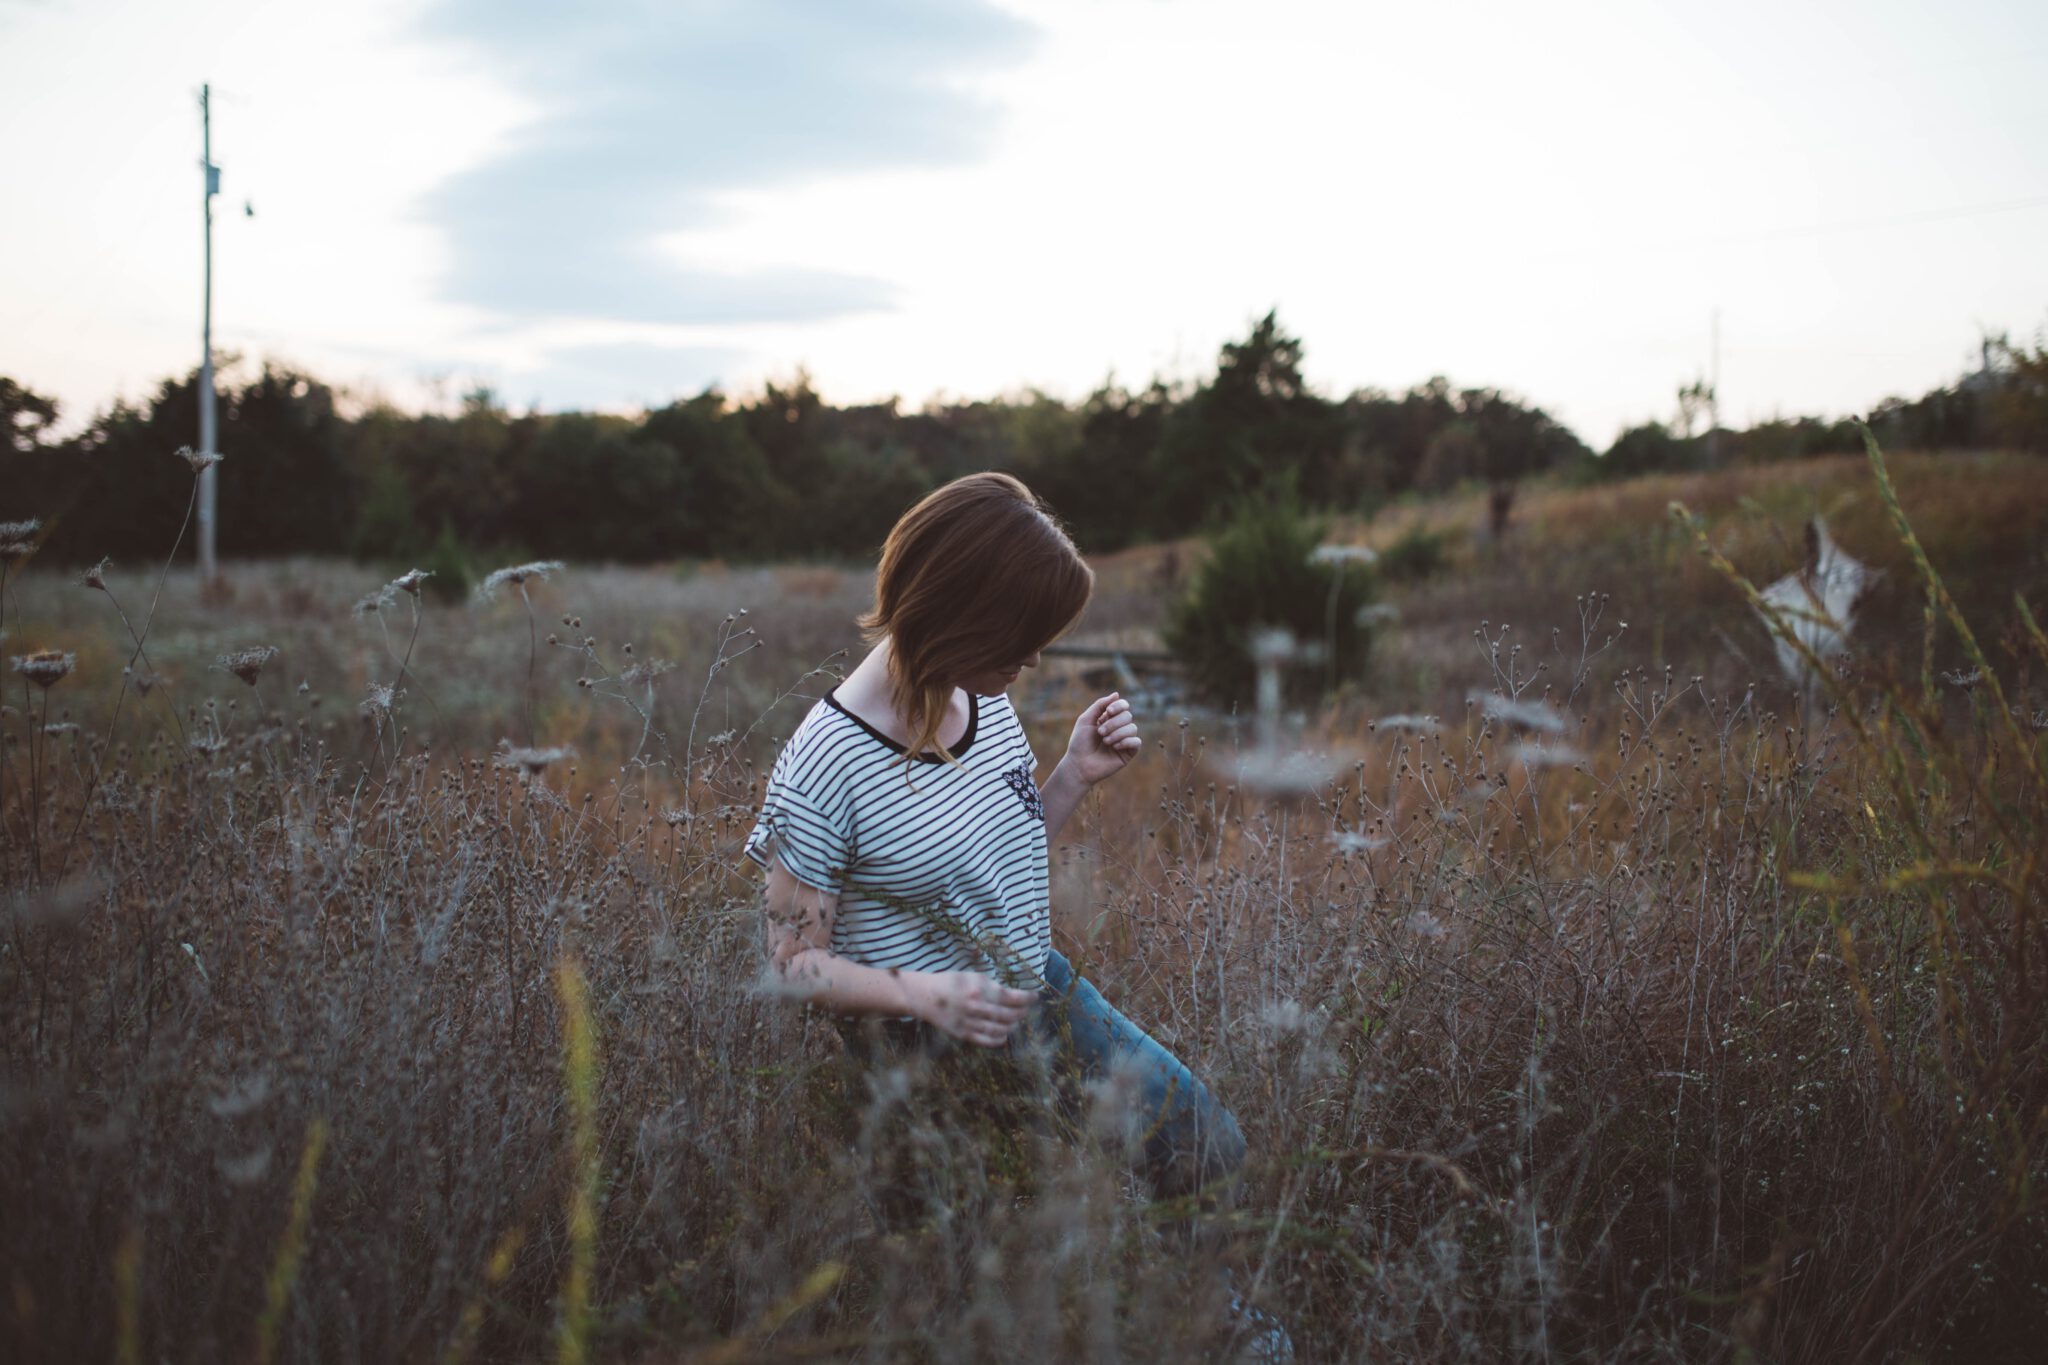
(1615,1019)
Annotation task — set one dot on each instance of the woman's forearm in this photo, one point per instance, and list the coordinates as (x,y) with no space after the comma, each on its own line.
(1062,792)
(966,1005)
(846,987)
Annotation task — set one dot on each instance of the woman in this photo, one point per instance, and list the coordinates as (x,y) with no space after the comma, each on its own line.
(905,836)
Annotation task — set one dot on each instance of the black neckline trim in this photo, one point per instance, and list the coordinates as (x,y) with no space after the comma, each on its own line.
(959,750)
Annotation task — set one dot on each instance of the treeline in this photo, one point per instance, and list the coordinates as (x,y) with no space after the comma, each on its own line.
(786,475)
(2002,405)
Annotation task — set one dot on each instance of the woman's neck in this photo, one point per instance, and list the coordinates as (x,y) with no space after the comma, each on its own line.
(866,692)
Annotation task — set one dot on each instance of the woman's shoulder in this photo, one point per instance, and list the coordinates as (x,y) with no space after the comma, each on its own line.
(825,736)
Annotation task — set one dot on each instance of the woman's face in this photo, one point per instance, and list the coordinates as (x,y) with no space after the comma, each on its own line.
(996,679)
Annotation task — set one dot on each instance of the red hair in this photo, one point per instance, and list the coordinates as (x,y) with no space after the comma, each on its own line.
(977,576)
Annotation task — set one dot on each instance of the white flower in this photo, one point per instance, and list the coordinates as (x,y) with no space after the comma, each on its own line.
(46,667)
(1534,753)
(531,761)
(247,664)
(1284,772)
(18,539)
(383,696)
(516,574)
(1422,924)
(1530,715)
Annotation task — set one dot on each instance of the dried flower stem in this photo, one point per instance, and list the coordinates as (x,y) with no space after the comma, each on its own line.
(291,1247)
(113,727)
(404,665)
(532,652)
(579,1085)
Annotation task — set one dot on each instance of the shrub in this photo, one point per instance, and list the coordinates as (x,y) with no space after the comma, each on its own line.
(450,564)
(1262,573)
(1651,448)
(1418,553)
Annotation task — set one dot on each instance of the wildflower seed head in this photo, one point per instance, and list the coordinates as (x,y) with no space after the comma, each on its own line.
(18,539)
(1281,772)
(46,667)
(1536,754)
(516,575)
(247,664)
(646,671)
(1422,924)
(1284,1016)
(96,576)
(409,581)
(200,462)
(1529,715)
(531,762)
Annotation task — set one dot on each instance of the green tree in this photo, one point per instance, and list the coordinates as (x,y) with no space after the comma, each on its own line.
(1262,572)
(2019,406)
(1647,449)
(25,414)
(284,486)
(729,502)
(1092,464)
(1254,426)
(459,471)
(1497,439)
(592,486)
(788,426)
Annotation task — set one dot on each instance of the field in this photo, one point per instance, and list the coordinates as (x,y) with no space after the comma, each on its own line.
(1603,997)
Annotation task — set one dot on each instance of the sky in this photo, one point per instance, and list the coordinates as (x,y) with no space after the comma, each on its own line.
(612,205)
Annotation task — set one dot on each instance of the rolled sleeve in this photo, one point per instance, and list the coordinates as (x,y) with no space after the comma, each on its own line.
(801,834)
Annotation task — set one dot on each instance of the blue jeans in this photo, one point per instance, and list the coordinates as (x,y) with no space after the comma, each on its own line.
(1186,1138)
(1189,1139)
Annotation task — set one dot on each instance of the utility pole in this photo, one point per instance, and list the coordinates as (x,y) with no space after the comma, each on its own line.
(209,567)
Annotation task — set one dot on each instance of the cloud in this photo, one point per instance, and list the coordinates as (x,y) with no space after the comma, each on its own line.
(617,375)
(650,110)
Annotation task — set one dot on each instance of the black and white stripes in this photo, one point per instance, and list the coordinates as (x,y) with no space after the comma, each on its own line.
(938,866)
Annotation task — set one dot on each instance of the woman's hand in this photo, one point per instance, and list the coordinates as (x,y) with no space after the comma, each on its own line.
(967,1005)
(1105,739)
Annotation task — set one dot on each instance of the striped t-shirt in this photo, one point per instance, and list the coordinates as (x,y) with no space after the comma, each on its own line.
(937,866)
